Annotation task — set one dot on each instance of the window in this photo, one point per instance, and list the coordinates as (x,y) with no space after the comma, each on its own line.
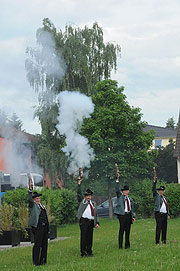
(158,143)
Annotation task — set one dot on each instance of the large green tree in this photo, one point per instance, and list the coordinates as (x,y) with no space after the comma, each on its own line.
(83,56)
(75,59)
(115,131)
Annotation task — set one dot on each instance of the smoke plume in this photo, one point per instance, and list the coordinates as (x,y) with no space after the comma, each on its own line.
(74,107)
(16,154)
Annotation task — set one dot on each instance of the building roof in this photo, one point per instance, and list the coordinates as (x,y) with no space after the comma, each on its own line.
(13,133)
(162,132)
(177,147)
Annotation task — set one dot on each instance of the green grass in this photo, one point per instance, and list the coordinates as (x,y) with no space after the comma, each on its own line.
(65,255)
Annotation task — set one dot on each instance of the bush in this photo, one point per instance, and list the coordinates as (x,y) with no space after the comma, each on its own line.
(172,193)
(16,197)
(63,203)
(141,192)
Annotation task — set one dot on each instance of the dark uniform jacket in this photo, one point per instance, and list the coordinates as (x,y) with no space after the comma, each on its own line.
(83,205)
(158,200)
(35,211)
(120,207)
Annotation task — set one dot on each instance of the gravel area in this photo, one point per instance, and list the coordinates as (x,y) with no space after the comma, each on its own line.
(27,244)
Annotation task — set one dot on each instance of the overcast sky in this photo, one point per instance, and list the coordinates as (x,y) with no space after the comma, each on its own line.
(147,31)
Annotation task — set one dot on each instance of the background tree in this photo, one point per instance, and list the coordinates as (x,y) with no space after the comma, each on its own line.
(3,118)
(166,163)
(75,59)
(15,122)
(115,132)
(82,53)
(170,123)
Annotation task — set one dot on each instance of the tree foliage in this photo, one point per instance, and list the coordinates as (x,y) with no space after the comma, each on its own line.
(75,59)
(115,132)
(3,118)
(170,123)
(15,122)
(166,163)
(82,54)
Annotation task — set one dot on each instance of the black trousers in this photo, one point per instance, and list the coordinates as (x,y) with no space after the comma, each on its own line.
(39,252)
(86,227)
(125,226)
(161,226)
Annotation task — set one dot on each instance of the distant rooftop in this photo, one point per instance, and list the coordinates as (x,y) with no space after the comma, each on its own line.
(13,133)
(162,131)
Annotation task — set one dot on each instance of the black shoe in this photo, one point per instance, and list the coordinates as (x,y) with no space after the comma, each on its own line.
(83,255)
(164,242)
(127,247)
(91,255)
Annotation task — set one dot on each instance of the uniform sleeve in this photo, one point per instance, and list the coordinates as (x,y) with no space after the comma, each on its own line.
(30,199)
(118,192)
(79,194)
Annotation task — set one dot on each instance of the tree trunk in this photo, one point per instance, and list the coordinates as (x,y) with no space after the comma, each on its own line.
(110,199)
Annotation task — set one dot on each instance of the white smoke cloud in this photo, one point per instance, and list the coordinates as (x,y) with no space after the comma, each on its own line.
(16,155)
(45,64)
(74,107)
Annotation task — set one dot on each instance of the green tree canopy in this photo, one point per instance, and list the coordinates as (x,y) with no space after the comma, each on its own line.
(115,132)
(83,56)
(170,123)
(73,59)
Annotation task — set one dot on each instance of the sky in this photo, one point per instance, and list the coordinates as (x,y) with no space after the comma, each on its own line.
(147,31)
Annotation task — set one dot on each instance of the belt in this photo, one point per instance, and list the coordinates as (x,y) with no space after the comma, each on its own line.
(160,213)
(127,213)
(87,219)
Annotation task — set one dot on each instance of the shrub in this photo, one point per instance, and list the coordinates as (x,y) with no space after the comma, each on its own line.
(6,217)
(62,203)
(172,193)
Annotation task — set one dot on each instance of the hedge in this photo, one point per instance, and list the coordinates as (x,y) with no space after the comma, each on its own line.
(63,203)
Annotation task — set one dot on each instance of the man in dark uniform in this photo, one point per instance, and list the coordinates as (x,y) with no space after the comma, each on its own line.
(38,220)
(125,214)
(161,211)
(88,219)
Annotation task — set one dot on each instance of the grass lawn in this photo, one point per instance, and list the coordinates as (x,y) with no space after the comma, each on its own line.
(65,255)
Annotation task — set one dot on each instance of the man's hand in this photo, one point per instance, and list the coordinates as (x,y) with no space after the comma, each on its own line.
(133,219)
(97,226)
(30,185)
(155,175)
(79,179)
(168,216)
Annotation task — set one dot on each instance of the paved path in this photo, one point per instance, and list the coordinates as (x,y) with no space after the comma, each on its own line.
(27,244)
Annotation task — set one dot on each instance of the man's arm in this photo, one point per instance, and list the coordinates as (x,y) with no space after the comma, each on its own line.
(154,183)
(30,199)
(79,193)
(118,192)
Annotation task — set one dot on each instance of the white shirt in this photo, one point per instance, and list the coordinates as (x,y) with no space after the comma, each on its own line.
(126,209)
(163,207)
(87,212)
